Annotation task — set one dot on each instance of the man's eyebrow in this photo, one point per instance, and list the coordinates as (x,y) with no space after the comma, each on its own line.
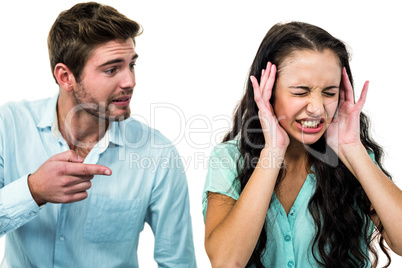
(118,60)
(134,57)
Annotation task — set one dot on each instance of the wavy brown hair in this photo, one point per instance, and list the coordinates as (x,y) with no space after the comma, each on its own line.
(77,31)
(339,206)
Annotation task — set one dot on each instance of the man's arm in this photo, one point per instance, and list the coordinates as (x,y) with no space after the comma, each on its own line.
(169,216)
(63,178)
(17,206)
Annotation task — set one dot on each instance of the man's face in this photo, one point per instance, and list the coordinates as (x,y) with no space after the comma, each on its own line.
(107,81)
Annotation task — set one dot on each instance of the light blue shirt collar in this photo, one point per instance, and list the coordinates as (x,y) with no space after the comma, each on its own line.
(49,113)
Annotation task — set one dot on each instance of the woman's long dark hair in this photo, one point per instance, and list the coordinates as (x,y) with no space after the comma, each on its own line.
(340,208)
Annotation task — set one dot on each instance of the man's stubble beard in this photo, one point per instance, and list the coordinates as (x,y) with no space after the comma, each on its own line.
(101,110)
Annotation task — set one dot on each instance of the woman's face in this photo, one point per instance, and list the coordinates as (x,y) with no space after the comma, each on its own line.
(307,93)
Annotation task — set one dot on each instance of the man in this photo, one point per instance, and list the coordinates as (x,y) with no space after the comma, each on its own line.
(69,194)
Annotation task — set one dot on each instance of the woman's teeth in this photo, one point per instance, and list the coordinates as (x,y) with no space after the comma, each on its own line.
(309,123)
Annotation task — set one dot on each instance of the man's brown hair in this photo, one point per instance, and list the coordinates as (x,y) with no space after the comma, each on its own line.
(77,31)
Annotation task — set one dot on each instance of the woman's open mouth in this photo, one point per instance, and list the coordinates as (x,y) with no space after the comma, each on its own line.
(310,125)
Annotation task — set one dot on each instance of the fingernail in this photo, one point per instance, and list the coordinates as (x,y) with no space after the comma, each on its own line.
(108,172)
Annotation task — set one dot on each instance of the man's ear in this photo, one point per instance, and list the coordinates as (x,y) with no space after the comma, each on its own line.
(64,77)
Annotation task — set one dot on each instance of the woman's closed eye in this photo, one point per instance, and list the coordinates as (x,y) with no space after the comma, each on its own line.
(329,94)
(300,93)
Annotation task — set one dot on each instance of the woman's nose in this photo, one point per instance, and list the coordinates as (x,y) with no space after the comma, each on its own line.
(315,107)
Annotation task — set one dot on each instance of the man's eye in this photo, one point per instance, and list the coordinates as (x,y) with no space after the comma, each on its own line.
(111,70)
(132,65)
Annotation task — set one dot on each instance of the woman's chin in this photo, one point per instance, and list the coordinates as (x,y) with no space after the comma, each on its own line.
(306,136)
(308,139)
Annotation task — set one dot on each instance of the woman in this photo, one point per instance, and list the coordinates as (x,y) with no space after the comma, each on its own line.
(298,181)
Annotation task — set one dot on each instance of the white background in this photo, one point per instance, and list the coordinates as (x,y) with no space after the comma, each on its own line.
(194,55)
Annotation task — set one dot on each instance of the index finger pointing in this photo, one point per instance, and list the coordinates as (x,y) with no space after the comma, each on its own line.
(78,169)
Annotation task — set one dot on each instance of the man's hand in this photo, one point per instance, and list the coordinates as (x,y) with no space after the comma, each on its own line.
(63,178)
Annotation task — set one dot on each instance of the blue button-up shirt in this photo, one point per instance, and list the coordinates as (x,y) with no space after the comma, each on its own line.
(148,184)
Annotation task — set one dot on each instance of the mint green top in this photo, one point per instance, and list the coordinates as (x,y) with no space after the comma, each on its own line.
(290,236)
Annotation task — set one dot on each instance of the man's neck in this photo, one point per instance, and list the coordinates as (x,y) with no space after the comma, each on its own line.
(81,130)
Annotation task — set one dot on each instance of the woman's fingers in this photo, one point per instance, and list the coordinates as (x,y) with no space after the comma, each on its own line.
(263,91)
(267,89)
(346,92)
(265,75)
(257,95)
(347,87)
(363,96)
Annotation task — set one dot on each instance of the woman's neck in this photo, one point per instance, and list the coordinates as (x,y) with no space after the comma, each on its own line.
(296,157)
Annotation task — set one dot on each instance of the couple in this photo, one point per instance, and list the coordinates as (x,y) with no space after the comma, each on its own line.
(315,206)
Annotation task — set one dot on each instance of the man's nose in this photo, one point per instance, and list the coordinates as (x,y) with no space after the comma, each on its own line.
(128,79)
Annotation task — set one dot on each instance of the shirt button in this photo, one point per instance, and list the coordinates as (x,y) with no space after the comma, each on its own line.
(291,264)
(292,212)
(287,238)
(32,213)
(61,238)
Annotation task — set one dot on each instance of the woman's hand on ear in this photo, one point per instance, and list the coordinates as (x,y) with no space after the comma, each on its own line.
(345,127)
(275,136)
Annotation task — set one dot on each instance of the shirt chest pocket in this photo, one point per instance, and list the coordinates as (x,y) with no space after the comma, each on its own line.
(112,220)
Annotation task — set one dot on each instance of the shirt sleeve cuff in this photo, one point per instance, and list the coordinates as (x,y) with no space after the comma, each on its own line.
(18,202)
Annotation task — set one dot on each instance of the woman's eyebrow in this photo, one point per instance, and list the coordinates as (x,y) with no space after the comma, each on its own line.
(331,87)
(300,87)
(307,88)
